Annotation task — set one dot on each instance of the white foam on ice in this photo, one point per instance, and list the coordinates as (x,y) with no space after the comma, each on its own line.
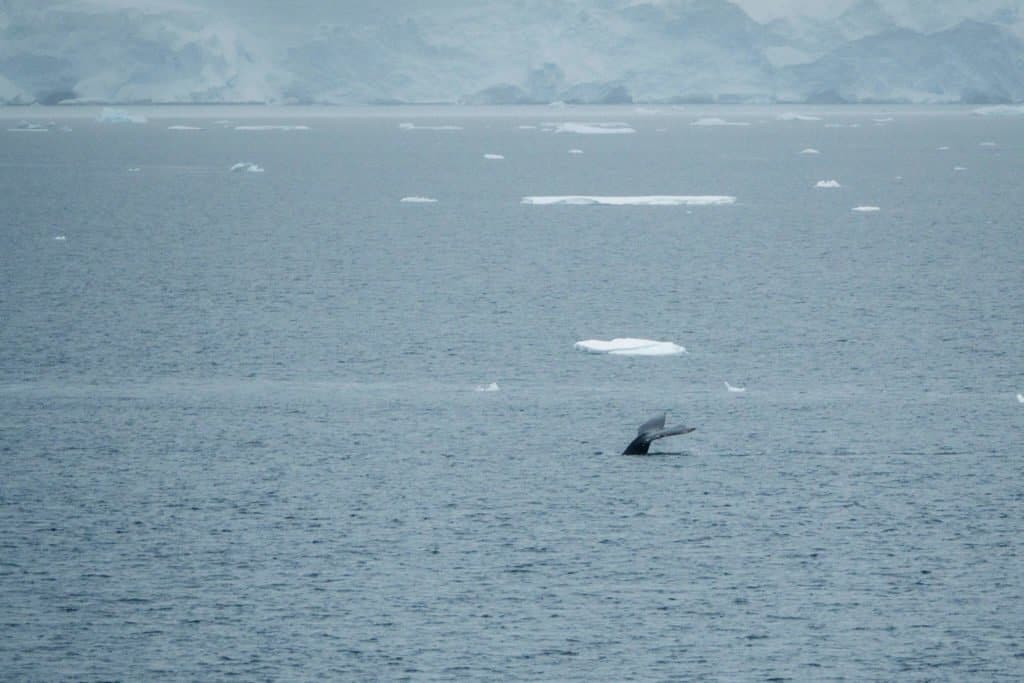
(418,200)
(183,128)
(827,183)
(715,121)
(646,200)
(414,126)
(575,151)
(608,128)
(272,127)
(809,150)
(247,167)
(793,116)
(865,209)
(629,346)
(112,115)
(494,157)
(493,386)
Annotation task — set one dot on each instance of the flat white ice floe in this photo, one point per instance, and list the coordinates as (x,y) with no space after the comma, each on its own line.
(183,128)
(827,183)
(987,143)
(112,115)
(493,386)
(646,200)
(246,166)
(629,346)
(1020,398)
(609,128)
(865,209)
(575,151)
(735,390)
(1000,110)
(494,157)
(809,150)
(60,238)
(272,127)
(793,116)
(959,168)
(715,121)
(27,127)
(418,200)
(415,126)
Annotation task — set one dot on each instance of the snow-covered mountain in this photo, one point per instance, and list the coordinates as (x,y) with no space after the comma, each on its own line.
(517,51)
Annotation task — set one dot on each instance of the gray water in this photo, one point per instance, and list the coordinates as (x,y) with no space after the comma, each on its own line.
(240,436)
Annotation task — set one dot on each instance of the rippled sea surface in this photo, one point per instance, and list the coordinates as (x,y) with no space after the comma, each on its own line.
(240,434)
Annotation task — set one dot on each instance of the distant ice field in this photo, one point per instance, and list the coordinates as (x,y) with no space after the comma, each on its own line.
(308,424)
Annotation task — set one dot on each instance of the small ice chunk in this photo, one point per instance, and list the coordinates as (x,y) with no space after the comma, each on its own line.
(27,127)
(575,151)
(883,119)
(494,156)
(183,128)
(648,200)
(246,166)
(793,116)
(1000,110)
(943,148)
(827,183)
(1020,397)
(987,143)
(418,200)
(493,386)
(112,115)
(629,346)
(735,390)
(527,127)
(60,238)
(809,150)
(715,121)
(865,209)
(609,128)
(414,126)
(272,127)
(134,169)
(959,168)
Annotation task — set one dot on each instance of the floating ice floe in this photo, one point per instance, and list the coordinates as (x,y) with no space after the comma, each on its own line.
(418,200)
(987,143)
(842,125)
(943,148)
(273,127)
(134,169)
(494,157)
(183,128)
(628,346)
(827,183)
(60,238)
(884,119)
(609,128)
(527,127)
(575,151)
(27,127)
(793,116)
(715,121)
(809,150)
(735,390)
(1020,398)
(1000,110)
(246,166)
(414,126)
(959,168)
(112,115)
(493,386)
(865,209)
(648,200)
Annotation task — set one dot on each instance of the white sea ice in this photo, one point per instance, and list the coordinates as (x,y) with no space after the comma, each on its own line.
(493,386)
(183,128)
(28,127)
(414,126)
(418,200)
(112,115)
(575,151)
(793,116)
(943,148)
(987,143)
(60,238)
(527,127)
(865,209)
(959,168)
(842,125)
(735,390)
(809,150)
(715,121)
(272,127)
(494,157)
(610,128)
(134,169)
(1000,110)
(827,183)
(1020,398)
(629,346)
(648,200)
(247,167)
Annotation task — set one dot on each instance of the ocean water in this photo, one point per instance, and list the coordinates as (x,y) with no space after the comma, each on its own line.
(240,435)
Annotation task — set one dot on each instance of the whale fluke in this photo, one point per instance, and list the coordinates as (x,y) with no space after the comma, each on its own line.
(652,430)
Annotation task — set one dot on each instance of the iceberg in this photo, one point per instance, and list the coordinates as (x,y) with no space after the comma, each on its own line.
(183,128)
(112,115)
(494,156)
(827,183)
(865,209)
(413,126)
(418,200)
(809,150)
(647,200)
(272,127)
(247,167)
(629,346)
(614,128)
(715,121)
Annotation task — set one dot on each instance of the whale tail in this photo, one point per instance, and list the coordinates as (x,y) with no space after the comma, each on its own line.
(652,430)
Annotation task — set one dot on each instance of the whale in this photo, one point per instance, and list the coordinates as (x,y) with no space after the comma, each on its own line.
(652,430)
